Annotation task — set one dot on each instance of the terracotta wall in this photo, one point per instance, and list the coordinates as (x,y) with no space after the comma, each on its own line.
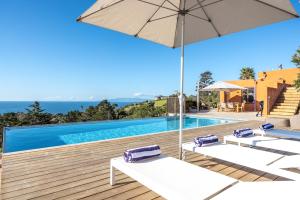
(271,83)
(289,75)
(268,83)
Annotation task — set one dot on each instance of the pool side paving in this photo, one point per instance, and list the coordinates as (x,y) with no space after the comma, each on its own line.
(82,171)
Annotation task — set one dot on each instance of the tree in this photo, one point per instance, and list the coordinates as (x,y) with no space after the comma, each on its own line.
(73,116)
(58,118)
(36,115)
(247,73)
(9,119)
(207,99)
(205,79)
(296,61)
(106,110)
(146,109)
(103,111)
(35,108)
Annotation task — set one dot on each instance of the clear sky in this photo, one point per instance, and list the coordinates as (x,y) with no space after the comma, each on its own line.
(46,55)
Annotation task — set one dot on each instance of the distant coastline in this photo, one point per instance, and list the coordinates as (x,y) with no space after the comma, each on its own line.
(55,107)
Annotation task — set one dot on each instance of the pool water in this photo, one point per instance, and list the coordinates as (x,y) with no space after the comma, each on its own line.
(35,137)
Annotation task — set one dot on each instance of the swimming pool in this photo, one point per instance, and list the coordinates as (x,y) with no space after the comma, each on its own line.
(35,137)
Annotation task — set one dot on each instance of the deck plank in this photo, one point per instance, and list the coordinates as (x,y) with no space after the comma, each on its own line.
(82,171)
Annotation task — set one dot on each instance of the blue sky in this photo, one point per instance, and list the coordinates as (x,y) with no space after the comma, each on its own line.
(46,55)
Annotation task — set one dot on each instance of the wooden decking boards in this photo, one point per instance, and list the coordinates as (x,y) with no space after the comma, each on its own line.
(82,171)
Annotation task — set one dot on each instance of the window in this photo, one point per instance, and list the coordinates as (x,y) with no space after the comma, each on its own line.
(248,95)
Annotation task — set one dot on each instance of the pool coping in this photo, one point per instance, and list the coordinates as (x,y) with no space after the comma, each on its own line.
(91,142)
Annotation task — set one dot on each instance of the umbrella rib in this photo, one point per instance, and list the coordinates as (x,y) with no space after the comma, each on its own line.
(83,17)
(202,6)
(153,4)
(195,5)
(209,20)
(175,34)
(173,4)
(152,20)
(280,9)
(145,24)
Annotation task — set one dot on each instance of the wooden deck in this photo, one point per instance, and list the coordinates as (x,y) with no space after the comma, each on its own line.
(82,171)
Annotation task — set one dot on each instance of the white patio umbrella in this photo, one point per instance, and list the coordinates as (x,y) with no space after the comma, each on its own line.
(222,86)
(174,23)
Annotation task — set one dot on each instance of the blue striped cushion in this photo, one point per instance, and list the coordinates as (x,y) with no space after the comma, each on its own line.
(267,126)
(243,132)
(141,153)
(206,140)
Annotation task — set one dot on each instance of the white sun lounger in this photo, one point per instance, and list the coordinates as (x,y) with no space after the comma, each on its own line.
(278,132)
(288,162)
(172,178)
(266,142)
(275,190)
(252,158)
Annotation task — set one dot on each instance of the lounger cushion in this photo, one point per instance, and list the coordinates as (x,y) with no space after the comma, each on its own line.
(243,132)
(206,140)
(141,153)
(267,126)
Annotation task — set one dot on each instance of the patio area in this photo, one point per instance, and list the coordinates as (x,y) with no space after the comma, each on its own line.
(82,171)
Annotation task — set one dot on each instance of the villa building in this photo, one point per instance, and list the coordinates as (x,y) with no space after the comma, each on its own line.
(274,88)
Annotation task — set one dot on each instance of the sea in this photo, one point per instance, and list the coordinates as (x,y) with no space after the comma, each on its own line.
(52,107)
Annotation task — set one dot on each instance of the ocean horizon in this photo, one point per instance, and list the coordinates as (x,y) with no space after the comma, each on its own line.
(53,107)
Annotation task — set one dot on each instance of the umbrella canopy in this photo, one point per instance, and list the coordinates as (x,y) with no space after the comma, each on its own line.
(174,23)
(222,86)
(160,20)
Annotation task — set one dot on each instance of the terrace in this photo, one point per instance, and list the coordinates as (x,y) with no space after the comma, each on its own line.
(82,171)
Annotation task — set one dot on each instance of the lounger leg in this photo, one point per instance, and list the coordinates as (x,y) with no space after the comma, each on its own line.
(112,175)
(183,154)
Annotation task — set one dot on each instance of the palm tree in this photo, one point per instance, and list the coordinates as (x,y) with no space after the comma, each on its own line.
(247,73)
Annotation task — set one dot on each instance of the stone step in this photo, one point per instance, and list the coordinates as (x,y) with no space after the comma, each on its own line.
(289,98)
(281,113)
(290,95)
(293,101)
(283,110)
(292,90)
(286,106)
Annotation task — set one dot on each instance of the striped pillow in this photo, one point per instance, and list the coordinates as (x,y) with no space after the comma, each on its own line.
(141,153)
(243,132)
(206,140)
(267,126)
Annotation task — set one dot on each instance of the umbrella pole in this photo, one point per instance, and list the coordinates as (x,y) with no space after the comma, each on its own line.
(181,87)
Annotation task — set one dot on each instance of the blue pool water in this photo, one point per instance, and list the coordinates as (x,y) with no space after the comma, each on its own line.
(27,138)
